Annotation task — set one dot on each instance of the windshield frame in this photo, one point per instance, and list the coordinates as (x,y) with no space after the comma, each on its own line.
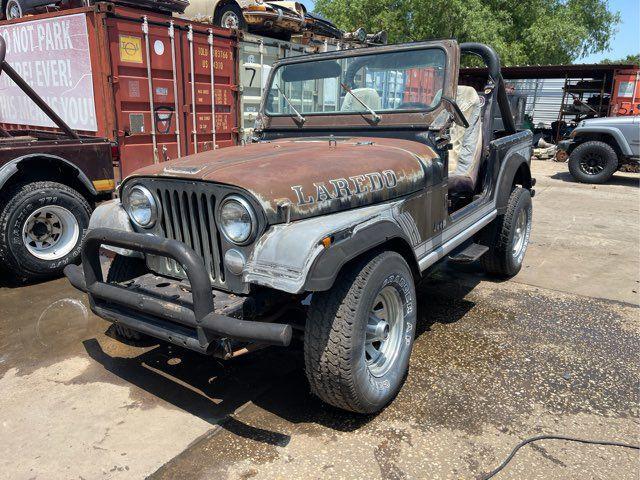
(357,52)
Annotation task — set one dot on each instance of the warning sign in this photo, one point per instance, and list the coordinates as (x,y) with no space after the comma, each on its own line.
(52,55)
(130,49)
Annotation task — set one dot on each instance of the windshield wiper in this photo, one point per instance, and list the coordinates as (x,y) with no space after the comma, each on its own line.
(376,117)
(297,114)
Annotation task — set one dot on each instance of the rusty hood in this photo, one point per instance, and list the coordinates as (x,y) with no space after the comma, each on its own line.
(299,178)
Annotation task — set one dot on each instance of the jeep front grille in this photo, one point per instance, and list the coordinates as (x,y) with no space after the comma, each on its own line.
(186,212)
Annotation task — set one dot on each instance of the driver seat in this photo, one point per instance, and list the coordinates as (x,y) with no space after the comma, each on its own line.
(466,153)
(368,95)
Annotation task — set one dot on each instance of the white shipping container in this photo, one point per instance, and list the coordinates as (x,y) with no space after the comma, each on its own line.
(256,57)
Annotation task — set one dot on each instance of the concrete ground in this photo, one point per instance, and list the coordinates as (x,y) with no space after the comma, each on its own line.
(554,350)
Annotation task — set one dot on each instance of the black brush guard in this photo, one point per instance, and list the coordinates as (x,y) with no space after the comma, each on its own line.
(196,329)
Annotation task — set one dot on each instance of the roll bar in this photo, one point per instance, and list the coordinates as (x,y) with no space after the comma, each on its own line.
(32,94)
(492,61)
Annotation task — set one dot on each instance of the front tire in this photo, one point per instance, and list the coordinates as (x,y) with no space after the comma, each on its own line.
(42,225)
(508,236)
(593,162)
(123,269)
(359,334)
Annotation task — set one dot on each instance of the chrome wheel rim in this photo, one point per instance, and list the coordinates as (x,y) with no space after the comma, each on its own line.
(230,20)
(13,11)
(521,234)
(50,232)
(385,325)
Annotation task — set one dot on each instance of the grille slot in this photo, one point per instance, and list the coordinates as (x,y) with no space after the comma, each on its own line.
(186,214)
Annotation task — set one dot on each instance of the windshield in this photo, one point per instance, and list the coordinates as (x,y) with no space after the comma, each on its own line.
(364,84)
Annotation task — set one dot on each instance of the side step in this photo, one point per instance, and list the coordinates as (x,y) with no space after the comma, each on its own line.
(470,254)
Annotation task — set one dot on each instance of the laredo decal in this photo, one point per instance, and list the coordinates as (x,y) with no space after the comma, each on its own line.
(342,187)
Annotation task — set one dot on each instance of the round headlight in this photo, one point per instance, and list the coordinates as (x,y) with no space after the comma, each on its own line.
(237,220)
(141,206)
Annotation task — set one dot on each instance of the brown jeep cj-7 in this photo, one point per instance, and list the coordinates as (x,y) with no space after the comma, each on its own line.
(370,166)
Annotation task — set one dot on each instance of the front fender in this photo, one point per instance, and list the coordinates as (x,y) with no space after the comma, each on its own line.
(292,258)
(600,130)
(112,215)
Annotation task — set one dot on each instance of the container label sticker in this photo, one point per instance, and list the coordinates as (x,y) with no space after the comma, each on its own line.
(53,56)
(625,89)
(158,47)
(130,49)
(134,88)
(136,123)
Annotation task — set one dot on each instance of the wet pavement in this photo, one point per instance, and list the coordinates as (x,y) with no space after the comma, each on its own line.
(491,366)
(552,351)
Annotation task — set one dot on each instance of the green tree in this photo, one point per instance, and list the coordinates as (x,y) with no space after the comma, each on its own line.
(628,60)
(524,32)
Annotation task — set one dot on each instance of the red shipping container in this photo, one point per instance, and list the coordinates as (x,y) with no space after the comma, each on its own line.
(420,85)
(97,66)
(625,98)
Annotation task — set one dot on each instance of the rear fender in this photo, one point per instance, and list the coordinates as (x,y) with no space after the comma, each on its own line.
(514,170)
(291,257)
(11,168)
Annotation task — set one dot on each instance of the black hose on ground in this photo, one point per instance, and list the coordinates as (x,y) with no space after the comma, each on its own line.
(555,437)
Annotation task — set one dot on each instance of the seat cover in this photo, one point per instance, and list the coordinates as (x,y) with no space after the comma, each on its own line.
(466,153)
(368,95)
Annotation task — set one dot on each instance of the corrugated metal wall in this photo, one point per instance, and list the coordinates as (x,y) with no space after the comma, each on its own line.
(544,98)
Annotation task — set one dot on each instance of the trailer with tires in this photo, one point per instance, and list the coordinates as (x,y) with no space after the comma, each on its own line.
(49,183)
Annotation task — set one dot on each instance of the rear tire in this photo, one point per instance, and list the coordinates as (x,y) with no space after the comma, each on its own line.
(42,225)
(359,334)
(230,16)
(593,162)
(122,269)
(508,236)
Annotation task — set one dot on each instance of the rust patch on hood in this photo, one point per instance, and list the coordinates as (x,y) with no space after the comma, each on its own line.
(300,178)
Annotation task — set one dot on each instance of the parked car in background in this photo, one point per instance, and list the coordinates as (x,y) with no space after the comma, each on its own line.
(259,16)
(166,6)
(17,8)
(599,147)
(12,9)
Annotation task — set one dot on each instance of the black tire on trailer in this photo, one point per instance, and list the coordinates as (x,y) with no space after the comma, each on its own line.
(508,236)
(230,16)
(122,269)
(42,225)
(359,334)
(593,162)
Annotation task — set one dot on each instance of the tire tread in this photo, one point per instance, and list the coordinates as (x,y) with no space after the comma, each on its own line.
(497,238)
(10,200)
(610,169)
(328,333)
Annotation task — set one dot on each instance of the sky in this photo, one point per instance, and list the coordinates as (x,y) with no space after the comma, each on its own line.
(625,42)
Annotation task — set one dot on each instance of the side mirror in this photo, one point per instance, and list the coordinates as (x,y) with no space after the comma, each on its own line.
(452,107)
